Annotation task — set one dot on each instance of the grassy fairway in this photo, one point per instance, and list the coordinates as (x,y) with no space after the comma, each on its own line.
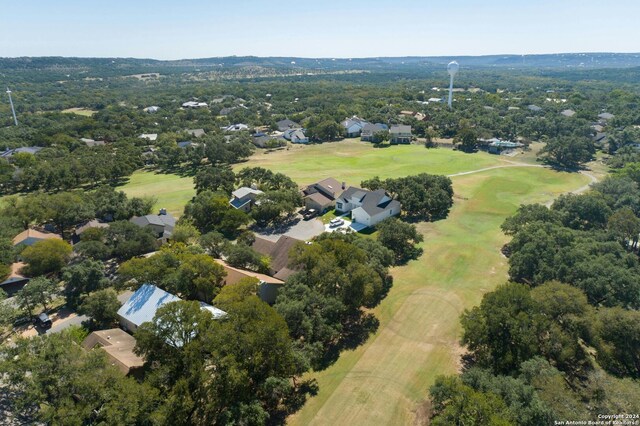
(172,191)
(79,111)
(384,381)
(353,161)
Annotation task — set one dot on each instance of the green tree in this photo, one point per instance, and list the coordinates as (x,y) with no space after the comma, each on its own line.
(46,256)
(455,403)
(102,307)
(40,291)
(568,151)
(400,237)
(83,278)
(620,331)
(625,225)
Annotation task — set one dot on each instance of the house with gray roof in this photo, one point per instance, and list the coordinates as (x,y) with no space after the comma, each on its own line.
(287,124)
(370,132)
(353,126)
(196,133)
(568,113)
(367,208)
(296,136)
(33,150)
(321,196)
(244,198)
(161,224)
(400,133)
(142,306)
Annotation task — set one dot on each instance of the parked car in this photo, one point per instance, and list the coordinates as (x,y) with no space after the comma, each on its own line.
(309,214)
(22,321)
(334,223)
(43,321)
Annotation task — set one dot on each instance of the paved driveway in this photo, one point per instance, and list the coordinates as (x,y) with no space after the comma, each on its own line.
(299,229)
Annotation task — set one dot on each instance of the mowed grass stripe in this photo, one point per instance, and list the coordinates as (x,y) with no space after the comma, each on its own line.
(384,381)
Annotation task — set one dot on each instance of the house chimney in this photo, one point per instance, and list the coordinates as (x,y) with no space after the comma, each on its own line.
(163,212)
(344,185)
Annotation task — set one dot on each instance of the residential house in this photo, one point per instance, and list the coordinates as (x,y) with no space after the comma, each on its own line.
(295,136)
(196,133)
(434,100)
(367,208)
(15,281)
(261,140)
(31,236)
(268,287)
(568,113)
(143,304)
(161,224)
(534,108)
(152,109)
(321,196)
(353,126)
(94,223)
(184,144)
(287,124)
(370,132)
(91,143)
(235,127)
(33,150)
(498,146)
(194,104)
(225,111)
(150,136)
(244,198)
(278,252)
(118,345)
(605,116)
(400,134)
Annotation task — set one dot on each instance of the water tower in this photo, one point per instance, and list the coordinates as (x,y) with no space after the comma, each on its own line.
(452,69)
(13,111)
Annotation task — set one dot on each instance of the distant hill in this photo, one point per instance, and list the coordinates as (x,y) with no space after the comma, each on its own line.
(548,61)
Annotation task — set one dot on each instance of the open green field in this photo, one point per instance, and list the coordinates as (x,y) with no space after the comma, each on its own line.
(172,191)
(79,111)
(385,381)
(353,161)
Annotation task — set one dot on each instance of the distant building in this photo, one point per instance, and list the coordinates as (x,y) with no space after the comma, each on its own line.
(370,132)
(244,198)
(353,126)
(91,143)
(194,105)
(400,134)
(33,150)
(534,108)
(150,136)
(568,113)
(287,124)
(118,345)
(235,127)
(94,223)
(152,109)
(196,133)
(295,136)
(606,116)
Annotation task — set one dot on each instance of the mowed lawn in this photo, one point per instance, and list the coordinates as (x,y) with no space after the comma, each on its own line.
(172,191)
(352,161)
(386,380)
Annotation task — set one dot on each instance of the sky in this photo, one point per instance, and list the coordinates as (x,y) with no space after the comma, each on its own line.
(182,29)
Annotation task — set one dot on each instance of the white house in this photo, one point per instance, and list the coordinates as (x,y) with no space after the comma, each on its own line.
(353,126)
(235,127)
(367,207)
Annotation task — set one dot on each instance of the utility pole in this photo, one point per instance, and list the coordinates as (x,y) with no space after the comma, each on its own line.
(13,111)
